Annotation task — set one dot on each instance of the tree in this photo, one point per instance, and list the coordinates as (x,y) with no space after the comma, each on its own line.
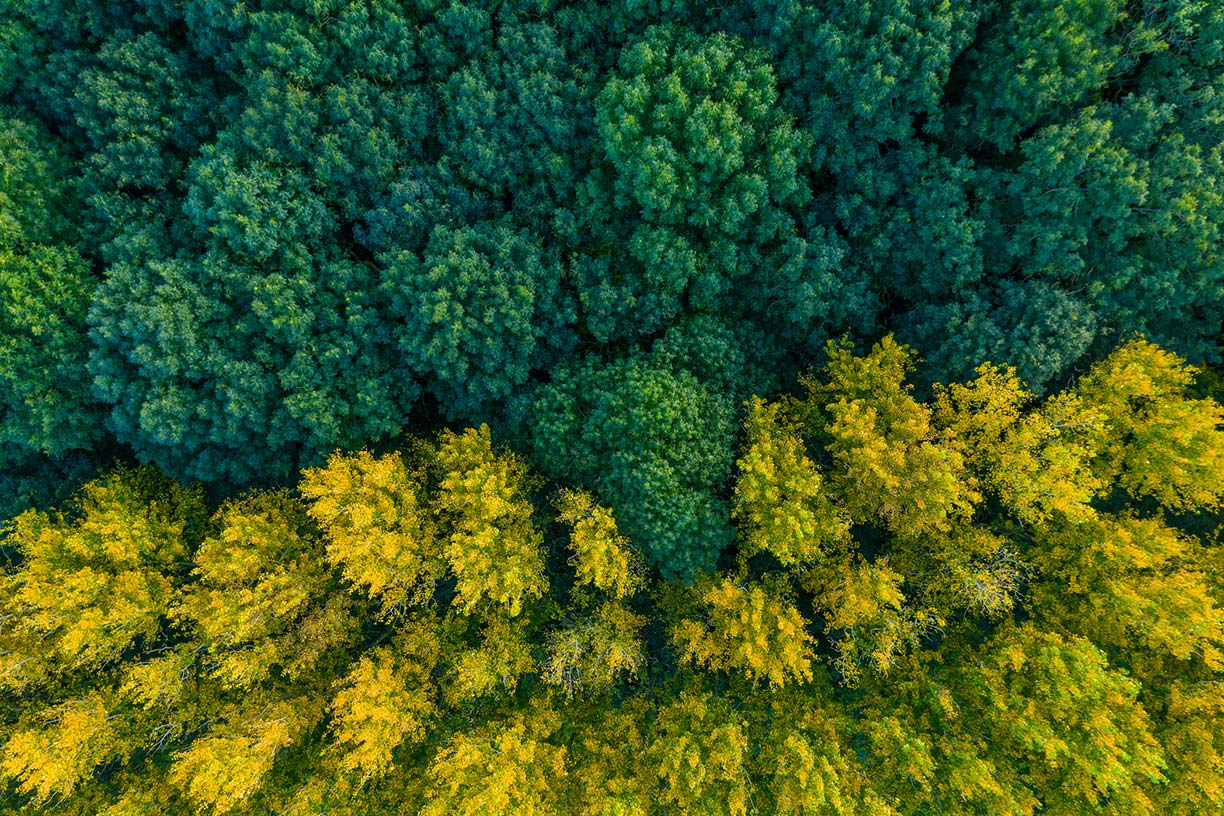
(1070,726)
(481,309)
(52,757)
(602,557)
(1161,443)
(48,415)
(211,390)
(591,654)
(873,627)
(93,583)
(1035,59)
(780,500)
(386,700)
(652,442)
(1130,585)
(806,756)
(748,629)
(495,664)
(890,465)
(262,602)
(493,548)
(699,749)
(221,771)
(1044,467)
(506,768)
(380,531)
(700,166)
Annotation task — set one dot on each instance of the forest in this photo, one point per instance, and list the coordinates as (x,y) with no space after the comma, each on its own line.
(621,408)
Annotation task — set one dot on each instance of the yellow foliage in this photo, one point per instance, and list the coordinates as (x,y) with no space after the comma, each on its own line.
(503,656)
(779,497)
(699,751)
(220,771)
(378,531)
(257,573)
(602,557)
(747,629)
(158,683)
(968,569)
(1160,443)
(1052,707)
(1127,583)
(259,578)
(385,701)
(867,614)
(974,417)
(503,769)
(1193,736)
(591,655)
(54,756)
(90,586)
(612,774)
(891,464)
(1043,468)
(493,548)
(809,765)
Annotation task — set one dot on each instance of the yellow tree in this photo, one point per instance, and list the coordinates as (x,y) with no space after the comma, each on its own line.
(1161,443)
(966,569)
(492,546)
(780,500)
(1043,468)
(219,772)
(264,595)
(891,465)
(700,751)
(925,752)
(601,643)
(872,626)
(1051,708)
(750,629)
(1131,585)
(505,768)
(601,557)
(612,774)
(1192,733)
(593,653)
(379,531)
(52,752)
(94,582)
(502,656)
(386,700)
(806,758)
(976,416)
(1039,462)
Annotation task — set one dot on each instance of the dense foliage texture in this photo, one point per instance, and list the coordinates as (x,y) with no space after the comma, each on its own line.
(988,603)
(428,406)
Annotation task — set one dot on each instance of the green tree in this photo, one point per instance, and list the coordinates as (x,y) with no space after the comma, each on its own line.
(481,309)
(652,442)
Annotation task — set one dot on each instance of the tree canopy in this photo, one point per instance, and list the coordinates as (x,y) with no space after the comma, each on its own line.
(611,408)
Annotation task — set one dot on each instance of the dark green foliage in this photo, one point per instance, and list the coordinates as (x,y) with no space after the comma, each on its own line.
(1035,325)
(45,287)
(700,168)
(480,309)
(303,215)
(859,76)
(221,372)
(1034,61)
(654,441)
